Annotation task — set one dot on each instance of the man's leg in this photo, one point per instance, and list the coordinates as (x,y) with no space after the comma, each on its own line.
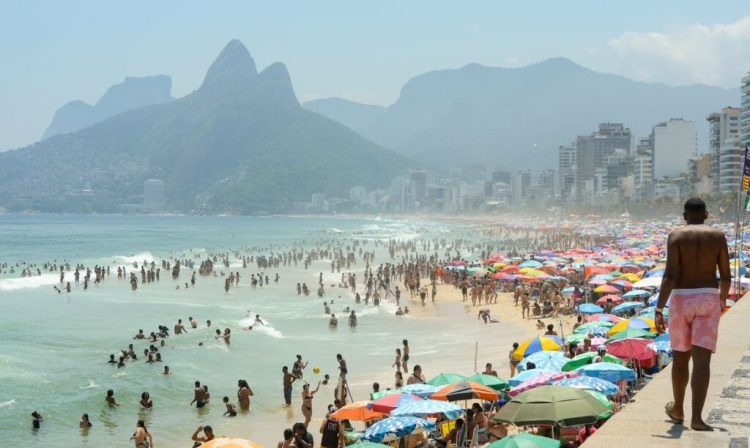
(699,385)
(680,377)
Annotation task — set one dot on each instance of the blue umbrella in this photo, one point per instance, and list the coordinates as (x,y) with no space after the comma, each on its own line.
(420,390)
(530,264)
(626,306)
(568,290)
(392,428)
(426,408)
(608,371)
(589,308)
(655,273)
(589,382)
(527,375)
(636,293)
(663,343)
(545,360)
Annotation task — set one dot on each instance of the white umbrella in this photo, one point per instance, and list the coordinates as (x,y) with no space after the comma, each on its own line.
(648,282)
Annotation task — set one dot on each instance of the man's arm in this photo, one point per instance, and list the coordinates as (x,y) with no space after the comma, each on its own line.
(724,272)
(671,272)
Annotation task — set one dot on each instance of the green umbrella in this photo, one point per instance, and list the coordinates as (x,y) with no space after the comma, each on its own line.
(605,401)
(445,379)
(632,333)
(587,358)
(494,382)
(589,325)
(525,440)
(576,338)
(550,405)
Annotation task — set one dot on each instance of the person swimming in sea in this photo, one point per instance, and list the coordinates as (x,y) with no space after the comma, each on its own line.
(333,322)
(231,409)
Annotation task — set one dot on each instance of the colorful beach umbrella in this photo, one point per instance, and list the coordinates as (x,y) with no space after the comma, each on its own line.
(537,344)
(608,371)
(550,405)
(366,444)
(525,440)
(595,328)
(444,379)
(629,348)
(589,382)
(429,408)
(608,298)
(391,402)
(465,390)
(631,333)
(540,380)
(642,323)
(589,308)
(393,428)
(357,411)
(636,293)
(606,289)
(587,358)
(490,381)
(527,375)
(626,306)
(603,318)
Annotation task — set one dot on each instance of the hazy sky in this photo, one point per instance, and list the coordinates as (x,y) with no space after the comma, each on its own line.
(56,51)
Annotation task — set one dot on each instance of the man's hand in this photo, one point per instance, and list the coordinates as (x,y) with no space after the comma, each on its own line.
(660,324)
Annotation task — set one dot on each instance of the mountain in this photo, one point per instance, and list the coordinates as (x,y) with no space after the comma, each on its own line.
(130,94)
(241,143)
(518,117)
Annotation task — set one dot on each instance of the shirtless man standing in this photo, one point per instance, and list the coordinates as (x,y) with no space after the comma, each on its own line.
(179,328)
(199,395)
(693,254)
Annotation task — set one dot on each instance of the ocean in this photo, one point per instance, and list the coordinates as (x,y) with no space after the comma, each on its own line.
(55,347)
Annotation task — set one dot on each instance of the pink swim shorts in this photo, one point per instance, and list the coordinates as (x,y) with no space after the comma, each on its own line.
(694,318)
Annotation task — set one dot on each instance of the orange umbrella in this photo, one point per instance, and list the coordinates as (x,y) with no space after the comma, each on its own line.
(465,390)
(357,411)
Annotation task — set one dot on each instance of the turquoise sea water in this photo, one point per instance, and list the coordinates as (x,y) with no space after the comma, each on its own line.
(54,347)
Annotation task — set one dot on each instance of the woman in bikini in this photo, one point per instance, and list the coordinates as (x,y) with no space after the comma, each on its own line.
(397,362)
(141,436)
(399,380)
(243,395)
(307,398)
(406,356)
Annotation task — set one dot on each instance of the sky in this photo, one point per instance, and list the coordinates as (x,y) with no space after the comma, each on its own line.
(56,51)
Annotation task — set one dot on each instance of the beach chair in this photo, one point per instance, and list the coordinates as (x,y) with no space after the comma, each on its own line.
(446,427)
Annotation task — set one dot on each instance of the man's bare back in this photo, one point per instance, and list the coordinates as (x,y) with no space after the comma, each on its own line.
(693,254)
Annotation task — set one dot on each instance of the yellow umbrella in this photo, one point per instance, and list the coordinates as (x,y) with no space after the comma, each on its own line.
(531,271)
(499,265)
(230,442)
(357,411)
(632,278)
(642,323)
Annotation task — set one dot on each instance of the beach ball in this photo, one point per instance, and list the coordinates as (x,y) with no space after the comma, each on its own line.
(316,370)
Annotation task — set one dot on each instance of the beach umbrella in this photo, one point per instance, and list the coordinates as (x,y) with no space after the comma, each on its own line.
(525,440)
(631,277)
(587,358)
(540,380)
(420,390)
(607,371)
(648,282)
(608,298)
(229,442)
(604,401)
(537,344)
(550,405)
(663,343)
(629,348)
(527,375)
(589,308)
(568,290)
(357,411)
(606,289)
(465,390)
(428,408)
(385,393)
(590,383)
(490,381)
(366,444)
(636,293)
(544,360)
(596,328)
(443,379)
(597,282)
(631,333)
(650,311)
(627,306)
(393,428)
(641,323)
(391,402)
(530,264)
(603,318)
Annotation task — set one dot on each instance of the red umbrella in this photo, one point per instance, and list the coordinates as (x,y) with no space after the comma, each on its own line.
(612,297)
(390,402)
(632,348)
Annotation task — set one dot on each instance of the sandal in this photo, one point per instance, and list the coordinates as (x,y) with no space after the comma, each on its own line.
(668,408)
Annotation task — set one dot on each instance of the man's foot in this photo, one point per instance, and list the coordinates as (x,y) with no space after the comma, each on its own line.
(700,425)
(673,416)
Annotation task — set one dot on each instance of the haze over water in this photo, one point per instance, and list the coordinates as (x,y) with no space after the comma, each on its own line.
(55,347)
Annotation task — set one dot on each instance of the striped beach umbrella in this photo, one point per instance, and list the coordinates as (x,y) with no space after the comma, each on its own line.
(527,375)
(465,390)
(537,344)
(641,323)
(393,428)
(390,402)
(589,382)
(545,360)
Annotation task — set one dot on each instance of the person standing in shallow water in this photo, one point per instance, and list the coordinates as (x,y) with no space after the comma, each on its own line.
(694,252)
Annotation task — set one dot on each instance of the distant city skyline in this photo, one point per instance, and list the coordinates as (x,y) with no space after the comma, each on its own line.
(55,52)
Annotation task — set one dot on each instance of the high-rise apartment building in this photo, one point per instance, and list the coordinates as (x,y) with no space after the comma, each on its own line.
(723,126)
(592,152)
(566,169)
(745,117)
(674,144)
